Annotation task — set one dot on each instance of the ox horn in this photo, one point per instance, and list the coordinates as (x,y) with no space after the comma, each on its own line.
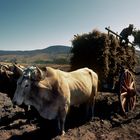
(6,67)
(40,75)
(8,73)
(18,69)
(3,68)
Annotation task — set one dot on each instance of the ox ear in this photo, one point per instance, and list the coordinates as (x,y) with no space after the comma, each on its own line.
(39,74)
(18,69)
(9,72)
(40,85)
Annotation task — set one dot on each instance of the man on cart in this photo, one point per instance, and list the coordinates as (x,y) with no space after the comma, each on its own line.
(125,33)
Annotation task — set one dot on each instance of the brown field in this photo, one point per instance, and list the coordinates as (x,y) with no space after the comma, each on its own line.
(108,124)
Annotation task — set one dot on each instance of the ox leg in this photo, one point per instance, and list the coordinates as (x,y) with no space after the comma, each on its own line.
(61,125)
(88,112)
(92,100)
(62,119)
(90,109)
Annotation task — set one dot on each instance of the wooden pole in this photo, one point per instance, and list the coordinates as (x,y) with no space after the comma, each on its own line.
(117,35)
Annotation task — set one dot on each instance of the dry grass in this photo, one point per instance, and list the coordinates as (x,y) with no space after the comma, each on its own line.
(102,53)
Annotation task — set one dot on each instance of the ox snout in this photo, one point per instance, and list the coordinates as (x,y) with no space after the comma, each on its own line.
(16,101)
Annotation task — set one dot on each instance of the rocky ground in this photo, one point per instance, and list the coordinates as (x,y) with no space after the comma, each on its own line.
(108,123)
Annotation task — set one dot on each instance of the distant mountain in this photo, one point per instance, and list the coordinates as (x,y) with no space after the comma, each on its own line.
(58,49)
(52,54)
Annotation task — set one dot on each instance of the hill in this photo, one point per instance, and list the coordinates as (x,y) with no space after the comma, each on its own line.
(45,55)
(52,49)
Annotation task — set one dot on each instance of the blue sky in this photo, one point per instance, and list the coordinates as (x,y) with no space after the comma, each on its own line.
(37,24)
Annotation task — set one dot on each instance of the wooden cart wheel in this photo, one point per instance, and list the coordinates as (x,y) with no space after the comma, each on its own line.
(127,91)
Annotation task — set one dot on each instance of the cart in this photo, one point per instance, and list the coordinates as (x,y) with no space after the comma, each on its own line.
(127,91)
(127,86)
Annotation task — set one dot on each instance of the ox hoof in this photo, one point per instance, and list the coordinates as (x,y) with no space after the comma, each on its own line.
(63,133)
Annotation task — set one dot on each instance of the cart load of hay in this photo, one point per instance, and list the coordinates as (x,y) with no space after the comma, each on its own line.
(102,53)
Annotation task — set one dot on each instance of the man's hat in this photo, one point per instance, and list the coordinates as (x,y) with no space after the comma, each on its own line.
(131,26)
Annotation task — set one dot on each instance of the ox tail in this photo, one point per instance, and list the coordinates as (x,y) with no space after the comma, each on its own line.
(94,93)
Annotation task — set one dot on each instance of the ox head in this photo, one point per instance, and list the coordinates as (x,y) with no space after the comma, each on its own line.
(5,70)
(11,71)
(6,83)
(8,79)
(24,83)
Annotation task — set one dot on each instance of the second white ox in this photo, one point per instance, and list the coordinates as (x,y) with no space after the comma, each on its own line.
(53,91)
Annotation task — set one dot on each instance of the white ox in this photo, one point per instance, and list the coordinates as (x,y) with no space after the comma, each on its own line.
(53,91)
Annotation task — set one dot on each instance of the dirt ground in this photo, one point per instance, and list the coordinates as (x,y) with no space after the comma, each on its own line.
(108,123)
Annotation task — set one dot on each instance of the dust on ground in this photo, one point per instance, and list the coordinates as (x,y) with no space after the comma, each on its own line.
(108,123)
